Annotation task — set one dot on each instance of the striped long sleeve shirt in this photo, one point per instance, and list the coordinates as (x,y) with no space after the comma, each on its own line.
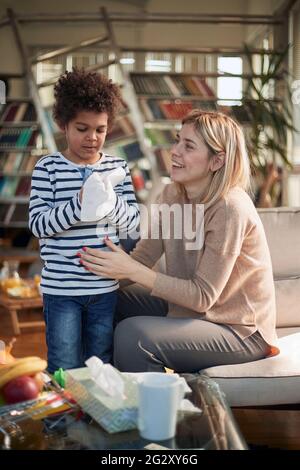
(54,218)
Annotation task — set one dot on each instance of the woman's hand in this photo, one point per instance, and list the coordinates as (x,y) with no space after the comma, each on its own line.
(116,264)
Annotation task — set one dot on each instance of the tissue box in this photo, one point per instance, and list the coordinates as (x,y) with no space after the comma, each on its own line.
(111,413)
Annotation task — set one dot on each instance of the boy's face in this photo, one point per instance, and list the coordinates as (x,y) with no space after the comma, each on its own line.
(85,135)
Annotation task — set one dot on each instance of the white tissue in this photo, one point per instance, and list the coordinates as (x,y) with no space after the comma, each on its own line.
(98,197)
(106,377)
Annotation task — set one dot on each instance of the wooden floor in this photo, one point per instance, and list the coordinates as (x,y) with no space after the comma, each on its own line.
(31,341)
(277,429)
(271,429)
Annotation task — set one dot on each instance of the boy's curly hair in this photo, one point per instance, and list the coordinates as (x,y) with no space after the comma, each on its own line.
(80,90)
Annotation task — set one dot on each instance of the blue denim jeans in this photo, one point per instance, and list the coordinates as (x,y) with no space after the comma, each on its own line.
(78,327)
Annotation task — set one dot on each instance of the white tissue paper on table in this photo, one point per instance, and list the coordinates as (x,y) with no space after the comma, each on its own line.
(98,197)
(106,377)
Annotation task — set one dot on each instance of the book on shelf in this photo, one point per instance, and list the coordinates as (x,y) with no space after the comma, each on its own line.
(2,162)
(204,89)
(176,109)
(171,85)
(19,112)
(53,126)
(11,186)
(192,86)
(181,85)
(12,161)
(11,213)
(2,181)
(8,186)
(138,179)
(3,212)
(24,163)
(161,136)
(155,109)
(122,128)
(132,151)
(146,110)
(9,112)
(19,137)
(23,186)
(20,213)
(8,212)
(163,158)
(30,161)
(15,162)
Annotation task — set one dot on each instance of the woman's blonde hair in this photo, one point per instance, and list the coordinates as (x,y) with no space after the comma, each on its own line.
(222,134)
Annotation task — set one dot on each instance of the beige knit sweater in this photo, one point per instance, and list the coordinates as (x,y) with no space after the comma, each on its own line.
(229,280)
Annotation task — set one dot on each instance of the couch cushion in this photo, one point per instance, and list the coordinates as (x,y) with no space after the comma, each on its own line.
(287,293)
(287,331)
(282,227)
(271,381)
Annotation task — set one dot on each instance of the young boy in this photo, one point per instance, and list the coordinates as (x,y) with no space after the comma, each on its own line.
(78,305)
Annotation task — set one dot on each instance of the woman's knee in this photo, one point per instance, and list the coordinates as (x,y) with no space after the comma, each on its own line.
(133,333)
(134,347)
(125,335)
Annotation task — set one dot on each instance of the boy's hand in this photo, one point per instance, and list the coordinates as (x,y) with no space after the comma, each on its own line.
(97,196)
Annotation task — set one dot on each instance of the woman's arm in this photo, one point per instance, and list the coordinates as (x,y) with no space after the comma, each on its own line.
(116,264)
(225,231)
(223,239)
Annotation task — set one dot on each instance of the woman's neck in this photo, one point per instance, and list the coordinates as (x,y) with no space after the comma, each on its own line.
(197,191)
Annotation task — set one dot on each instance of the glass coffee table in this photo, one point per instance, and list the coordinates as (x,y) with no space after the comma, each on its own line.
(207,425)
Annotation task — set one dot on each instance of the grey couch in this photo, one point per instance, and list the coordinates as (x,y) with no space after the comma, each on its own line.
(274,380)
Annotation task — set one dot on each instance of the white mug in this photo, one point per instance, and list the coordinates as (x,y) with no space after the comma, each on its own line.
(160,395)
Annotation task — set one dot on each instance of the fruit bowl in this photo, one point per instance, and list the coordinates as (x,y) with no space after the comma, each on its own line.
(21,288)
(10,282)
(20,378)
(23,292)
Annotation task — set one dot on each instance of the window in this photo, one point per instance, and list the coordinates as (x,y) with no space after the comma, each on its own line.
(230,89)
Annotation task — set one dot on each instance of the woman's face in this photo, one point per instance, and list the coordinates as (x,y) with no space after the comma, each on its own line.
(191,161)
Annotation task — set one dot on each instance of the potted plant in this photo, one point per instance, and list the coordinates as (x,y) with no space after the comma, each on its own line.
(270,121)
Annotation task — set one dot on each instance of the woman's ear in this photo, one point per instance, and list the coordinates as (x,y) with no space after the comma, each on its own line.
(217,161)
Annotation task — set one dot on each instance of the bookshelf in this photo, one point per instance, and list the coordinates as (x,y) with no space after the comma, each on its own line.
(21,145)
(122,141)
(165,98)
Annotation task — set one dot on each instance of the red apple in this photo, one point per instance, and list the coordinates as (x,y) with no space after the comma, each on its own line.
(20,389)
(38,378)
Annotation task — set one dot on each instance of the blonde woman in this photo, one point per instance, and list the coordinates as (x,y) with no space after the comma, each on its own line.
(215,302)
